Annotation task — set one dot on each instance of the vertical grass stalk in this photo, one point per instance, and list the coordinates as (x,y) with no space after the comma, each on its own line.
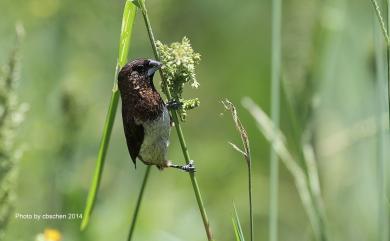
(238,233)
(275,106)
(383,208)
(385,32)
(380,19)
(380,79)
(388,56)
(250,200)
(277,139)
(142,6)
(315,191)
(139,201)
(304,151)
(124,43)
(12,114)
(246,152)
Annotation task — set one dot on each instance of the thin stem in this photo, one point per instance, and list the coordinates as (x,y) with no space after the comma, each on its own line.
(388,56)
(275,106)
(124,43)
(178,127)
(380,19)
(277,139)
(246,152)
(385,32)
(250,199)
(237,225)
(101,159)
(382,203)
(380,82)
(139,201)
(315,190)
(307,155)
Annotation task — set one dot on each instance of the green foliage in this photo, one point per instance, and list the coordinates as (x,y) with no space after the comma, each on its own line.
(124,44)
(136,3)
(138,204)
(179,62)
(179,130)
(240,128)
(72,110)
(190,104)
(239,235)
(307,185)
(246,154)
(276,62)
(328,72)
(11,116)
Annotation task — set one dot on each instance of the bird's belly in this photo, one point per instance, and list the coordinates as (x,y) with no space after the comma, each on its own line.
(156,139)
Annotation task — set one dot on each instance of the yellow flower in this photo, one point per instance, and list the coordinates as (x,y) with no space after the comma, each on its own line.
(52,235)
(49,235)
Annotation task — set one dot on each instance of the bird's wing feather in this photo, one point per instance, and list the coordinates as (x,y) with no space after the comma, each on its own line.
(134,135)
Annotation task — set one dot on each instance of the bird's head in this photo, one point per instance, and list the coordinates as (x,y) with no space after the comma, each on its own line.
(138,73)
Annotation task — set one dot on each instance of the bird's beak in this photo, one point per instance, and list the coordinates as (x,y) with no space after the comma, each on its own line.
(154,66)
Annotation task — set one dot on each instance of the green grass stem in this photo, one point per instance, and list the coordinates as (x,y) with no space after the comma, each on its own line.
(388,56)
(380,70)
(379,16)
(246,152)
(383,211)
(304,151)
(315,191)
(139,201)
(124,43)
(275,108)
(250,202)
(277,141)
(238,233)
(385,32)
(179,131)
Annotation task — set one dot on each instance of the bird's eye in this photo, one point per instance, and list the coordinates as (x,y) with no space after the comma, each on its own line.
(139,68)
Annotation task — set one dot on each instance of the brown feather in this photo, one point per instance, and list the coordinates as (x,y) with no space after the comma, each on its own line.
(140,103)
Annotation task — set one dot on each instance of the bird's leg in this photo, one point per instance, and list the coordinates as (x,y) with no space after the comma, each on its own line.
(190,167)
(174,104)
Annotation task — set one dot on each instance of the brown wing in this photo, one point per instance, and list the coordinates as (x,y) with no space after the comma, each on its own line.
(134,135)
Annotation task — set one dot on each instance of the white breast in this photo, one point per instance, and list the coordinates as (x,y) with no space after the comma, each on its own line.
(156,139)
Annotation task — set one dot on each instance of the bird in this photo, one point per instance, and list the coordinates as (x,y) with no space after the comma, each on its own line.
(146,119)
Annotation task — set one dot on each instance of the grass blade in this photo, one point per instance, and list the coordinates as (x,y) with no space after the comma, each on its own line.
(11,117)
(246,154)
(380,19)
(138,205)
(275,106)
(385,32)
(380,70)
(237,226)
(124,43)
(383,232)
(315,189)
(276,137)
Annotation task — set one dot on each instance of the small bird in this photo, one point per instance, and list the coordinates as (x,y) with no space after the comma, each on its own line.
(146,119)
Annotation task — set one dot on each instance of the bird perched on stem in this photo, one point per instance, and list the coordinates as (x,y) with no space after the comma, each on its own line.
(146,119)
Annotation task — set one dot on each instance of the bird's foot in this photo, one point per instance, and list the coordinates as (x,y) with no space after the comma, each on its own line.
(174,105)
(190,167)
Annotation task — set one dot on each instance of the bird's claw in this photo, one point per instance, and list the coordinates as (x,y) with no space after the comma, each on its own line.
(174,105)
(190,167)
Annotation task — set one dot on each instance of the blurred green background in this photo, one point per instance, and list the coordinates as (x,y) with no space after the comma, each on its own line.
(68,58)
